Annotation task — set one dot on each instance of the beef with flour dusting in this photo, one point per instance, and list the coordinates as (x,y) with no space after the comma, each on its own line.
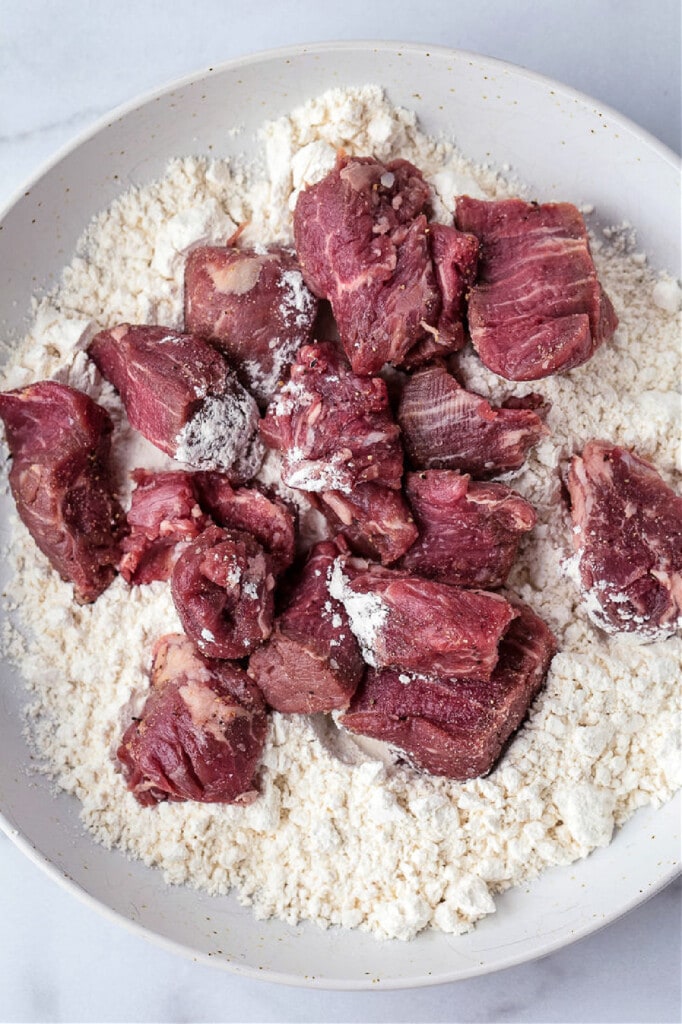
(446,427)
(181,394)
(60,477)
(469,532)
(254,306)
(405,621)
(201,732)
(627,534)
(253,509)
(334,428)
(456,726)
(312,661)
(362,238)
(222,586)
(537,307)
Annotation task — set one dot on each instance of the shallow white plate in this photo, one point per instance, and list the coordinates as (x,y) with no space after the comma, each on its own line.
(568,147)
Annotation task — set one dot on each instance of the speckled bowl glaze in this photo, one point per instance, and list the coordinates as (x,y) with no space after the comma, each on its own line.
(567,146)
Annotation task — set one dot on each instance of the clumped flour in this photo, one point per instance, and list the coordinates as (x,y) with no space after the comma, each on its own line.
(354,841)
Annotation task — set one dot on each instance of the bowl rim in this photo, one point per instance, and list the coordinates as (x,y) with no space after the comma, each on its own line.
(41,860)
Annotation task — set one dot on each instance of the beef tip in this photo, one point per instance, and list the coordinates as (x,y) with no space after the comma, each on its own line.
(375,520)
(362,239)
(469,532)
(201,733)
(334,428)
(265,516)
(312,661)
(455,260)
(456,727)
(538,307)
(60,442)
(181,394)
(628,537)
(404,621)
(164,516)
(446,427)
(254,306)
(222,588)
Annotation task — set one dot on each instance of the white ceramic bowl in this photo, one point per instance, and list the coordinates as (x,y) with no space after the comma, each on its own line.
(568,147)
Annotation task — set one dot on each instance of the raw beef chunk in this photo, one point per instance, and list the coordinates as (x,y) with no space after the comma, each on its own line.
(446,427)
(538,307)
(182,395)
(334,428)
(362,239)
(469,532)
(264,516)
(375,520)
(60,441)
(254,306)
(222,587)
(628,537)
(201,732)
(403,621)
(163,517)
(455,259)
(312,661)
(456,727)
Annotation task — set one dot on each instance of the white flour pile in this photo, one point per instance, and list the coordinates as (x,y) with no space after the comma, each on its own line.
(359,844)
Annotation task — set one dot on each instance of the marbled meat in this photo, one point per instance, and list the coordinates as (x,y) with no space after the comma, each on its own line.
(200,734)
(60,442)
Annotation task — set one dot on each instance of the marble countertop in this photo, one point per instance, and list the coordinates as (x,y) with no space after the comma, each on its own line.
(62,67)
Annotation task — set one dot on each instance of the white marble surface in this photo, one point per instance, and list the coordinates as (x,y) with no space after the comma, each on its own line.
(62,65)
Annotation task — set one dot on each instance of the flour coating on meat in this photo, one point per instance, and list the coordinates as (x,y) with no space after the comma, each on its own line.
(328,841)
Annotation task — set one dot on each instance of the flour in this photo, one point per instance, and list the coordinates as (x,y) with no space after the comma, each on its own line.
(352,838)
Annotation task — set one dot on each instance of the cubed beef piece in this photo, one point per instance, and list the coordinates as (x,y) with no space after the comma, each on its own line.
(181,394)
(334,428)
(60,442)
(201,732)
(469,532)
(362,238)
(446,427)
(222,588)
(455,259)
(254,306)
(375,520)
(265,516)
(312,661)
(164,516)
(628,537)
(404,621)
(456,727)
(537,308)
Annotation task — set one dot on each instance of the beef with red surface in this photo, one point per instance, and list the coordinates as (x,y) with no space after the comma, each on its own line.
(222,587)
(537,307)
(407,622)
(376,521)
(334,428)
(456,727)
(254,306)
(312,661)
(362,239)
(60,442)
(446,427)
(181,394)
(201,733)
(627,533)
(164,516)
(469,532)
